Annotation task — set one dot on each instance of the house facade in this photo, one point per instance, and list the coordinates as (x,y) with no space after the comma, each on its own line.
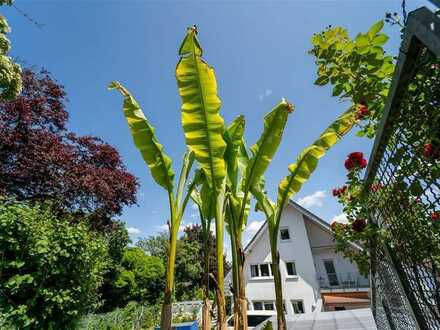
(314,277)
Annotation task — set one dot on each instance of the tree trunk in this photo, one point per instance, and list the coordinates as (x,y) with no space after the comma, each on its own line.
(167,313)
(241,301)
(206,314)
(278,288)
(221,311)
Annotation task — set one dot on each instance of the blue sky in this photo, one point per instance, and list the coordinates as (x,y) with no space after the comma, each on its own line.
(258,49)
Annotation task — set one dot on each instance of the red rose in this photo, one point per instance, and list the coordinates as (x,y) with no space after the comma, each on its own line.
(348,164)
(363,163)
(362,112)
(435,216)
(358,225)
(355,160)
(428,150)
(339,191)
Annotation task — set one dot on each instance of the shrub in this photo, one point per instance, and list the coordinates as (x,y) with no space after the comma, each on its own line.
(140,277)
(50,268)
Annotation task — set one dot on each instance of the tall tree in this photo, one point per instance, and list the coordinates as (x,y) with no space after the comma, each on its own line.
(40,159)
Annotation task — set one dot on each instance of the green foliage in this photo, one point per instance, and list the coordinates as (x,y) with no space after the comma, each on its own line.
(267,326)
(10,72)
(50,268)
(140,277)
(358,69)
(134,316)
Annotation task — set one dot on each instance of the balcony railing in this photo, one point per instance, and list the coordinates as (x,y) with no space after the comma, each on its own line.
(342,281)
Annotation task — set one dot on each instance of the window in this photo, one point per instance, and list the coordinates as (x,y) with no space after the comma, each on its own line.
(261,270)
(298,306)
(291,268)
(268,306)
(264,305)
(255,271)
(264,270)
(284,234)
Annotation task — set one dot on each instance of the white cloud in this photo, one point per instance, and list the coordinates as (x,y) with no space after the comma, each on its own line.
(134,231)
(315,199)
(162,228)
(252,227)
(341,218)
(265,94)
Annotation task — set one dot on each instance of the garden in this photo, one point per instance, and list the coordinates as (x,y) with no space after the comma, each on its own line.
(68,261)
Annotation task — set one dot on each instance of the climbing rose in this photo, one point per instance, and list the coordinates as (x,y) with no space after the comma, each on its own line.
(339,191)
(358,225)
(337,225)
(355,160)
(429,151)
(362,112)
(435,216)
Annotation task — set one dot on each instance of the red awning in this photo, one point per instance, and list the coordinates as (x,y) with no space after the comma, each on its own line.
(344,300)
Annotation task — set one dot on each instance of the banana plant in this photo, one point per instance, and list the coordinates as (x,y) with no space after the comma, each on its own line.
(202,197)
(160,166)
(203,129)
(243,173)
(299,173)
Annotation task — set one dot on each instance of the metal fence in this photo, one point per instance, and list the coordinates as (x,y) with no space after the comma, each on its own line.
(404,186)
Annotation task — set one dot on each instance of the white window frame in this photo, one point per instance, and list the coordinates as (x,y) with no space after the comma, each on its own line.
(290,236)
(263,304)
(295,301)
(259,271)
(296,270)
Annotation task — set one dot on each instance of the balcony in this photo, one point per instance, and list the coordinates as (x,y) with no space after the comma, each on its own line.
(344,281)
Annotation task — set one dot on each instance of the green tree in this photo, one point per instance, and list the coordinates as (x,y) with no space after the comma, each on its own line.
(140,277)
(50,269)
(10,72)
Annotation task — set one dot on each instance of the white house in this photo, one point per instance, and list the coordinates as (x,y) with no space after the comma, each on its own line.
(315,278)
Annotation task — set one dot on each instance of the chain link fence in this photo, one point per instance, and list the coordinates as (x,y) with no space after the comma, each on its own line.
(403,179)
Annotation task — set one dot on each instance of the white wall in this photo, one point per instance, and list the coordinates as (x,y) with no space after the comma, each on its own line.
(304,286)
(323,248)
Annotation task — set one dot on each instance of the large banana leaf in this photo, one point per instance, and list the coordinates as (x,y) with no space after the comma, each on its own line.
(233,136)
(202,124)
(308,159)
(145,140)
(264,203)
(265,148)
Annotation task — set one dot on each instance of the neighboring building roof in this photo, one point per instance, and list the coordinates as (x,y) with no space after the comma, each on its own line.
(317,220)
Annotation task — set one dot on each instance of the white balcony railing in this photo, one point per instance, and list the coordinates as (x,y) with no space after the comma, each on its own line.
(342,281)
